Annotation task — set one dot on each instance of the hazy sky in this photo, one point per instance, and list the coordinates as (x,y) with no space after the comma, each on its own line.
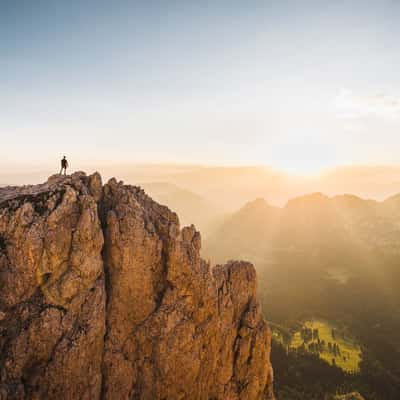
(299,85)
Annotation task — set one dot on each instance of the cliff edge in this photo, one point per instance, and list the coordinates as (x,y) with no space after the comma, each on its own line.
(103,296)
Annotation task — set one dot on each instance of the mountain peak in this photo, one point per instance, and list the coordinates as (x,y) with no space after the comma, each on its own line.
(316,198)
(102,279)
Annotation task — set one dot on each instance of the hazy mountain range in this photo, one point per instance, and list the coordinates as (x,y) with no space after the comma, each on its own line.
(191,207)
(343,223)
(229,188)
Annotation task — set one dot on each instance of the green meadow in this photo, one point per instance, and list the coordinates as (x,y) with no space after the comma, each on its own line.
(331,342)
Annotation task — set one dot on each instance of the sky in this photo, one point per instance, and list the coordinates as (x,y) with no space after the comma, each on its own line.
(296,85)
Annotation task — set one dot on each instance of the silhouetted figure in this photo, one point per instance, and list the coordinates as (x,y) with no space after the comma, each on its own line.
(64,166)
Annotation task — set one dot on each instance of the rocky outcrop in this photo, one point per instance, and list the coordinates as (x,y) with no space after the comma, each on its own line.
(103,296)
(349,396)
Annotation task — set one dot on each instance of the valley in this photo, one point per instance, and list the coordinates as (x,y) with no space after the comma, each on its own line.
(329,341)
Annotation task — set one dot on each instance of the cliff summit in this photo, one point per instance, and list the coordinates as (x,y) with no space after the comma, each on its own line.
(104,296)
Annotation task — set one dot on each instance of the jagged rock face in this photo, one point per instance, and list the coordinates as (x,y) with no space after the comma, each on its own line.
(103,296)
(52,293)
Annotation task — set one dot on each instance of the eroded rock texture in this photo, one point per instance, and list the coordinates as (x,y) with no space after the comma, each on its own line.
(103,296)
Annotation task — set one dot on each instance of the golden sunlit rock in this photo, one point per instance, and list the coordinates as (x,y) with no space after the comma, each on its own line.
(102,295)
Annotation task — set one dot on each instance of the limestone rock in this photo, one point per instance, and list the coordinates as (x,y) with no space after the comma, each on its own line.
(103,296)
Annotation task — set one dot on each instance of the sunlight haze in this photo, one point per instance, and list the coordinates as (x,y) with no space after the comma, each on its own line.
(299,86)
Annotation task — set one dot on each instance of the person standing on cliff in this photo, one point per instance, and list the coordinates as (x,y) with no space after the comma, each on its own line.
(64,165)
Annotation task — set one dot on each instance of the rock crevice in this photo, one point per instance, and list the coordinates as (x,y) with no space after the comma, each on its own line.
(104,296)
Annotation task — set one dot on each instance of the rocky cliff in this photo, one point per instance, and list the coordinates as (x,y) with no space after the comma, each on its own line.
(103,296)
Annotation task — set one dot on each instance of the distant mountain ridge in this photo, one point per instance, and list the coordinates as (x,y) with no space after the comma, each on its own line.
(307,222)
(190,206)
